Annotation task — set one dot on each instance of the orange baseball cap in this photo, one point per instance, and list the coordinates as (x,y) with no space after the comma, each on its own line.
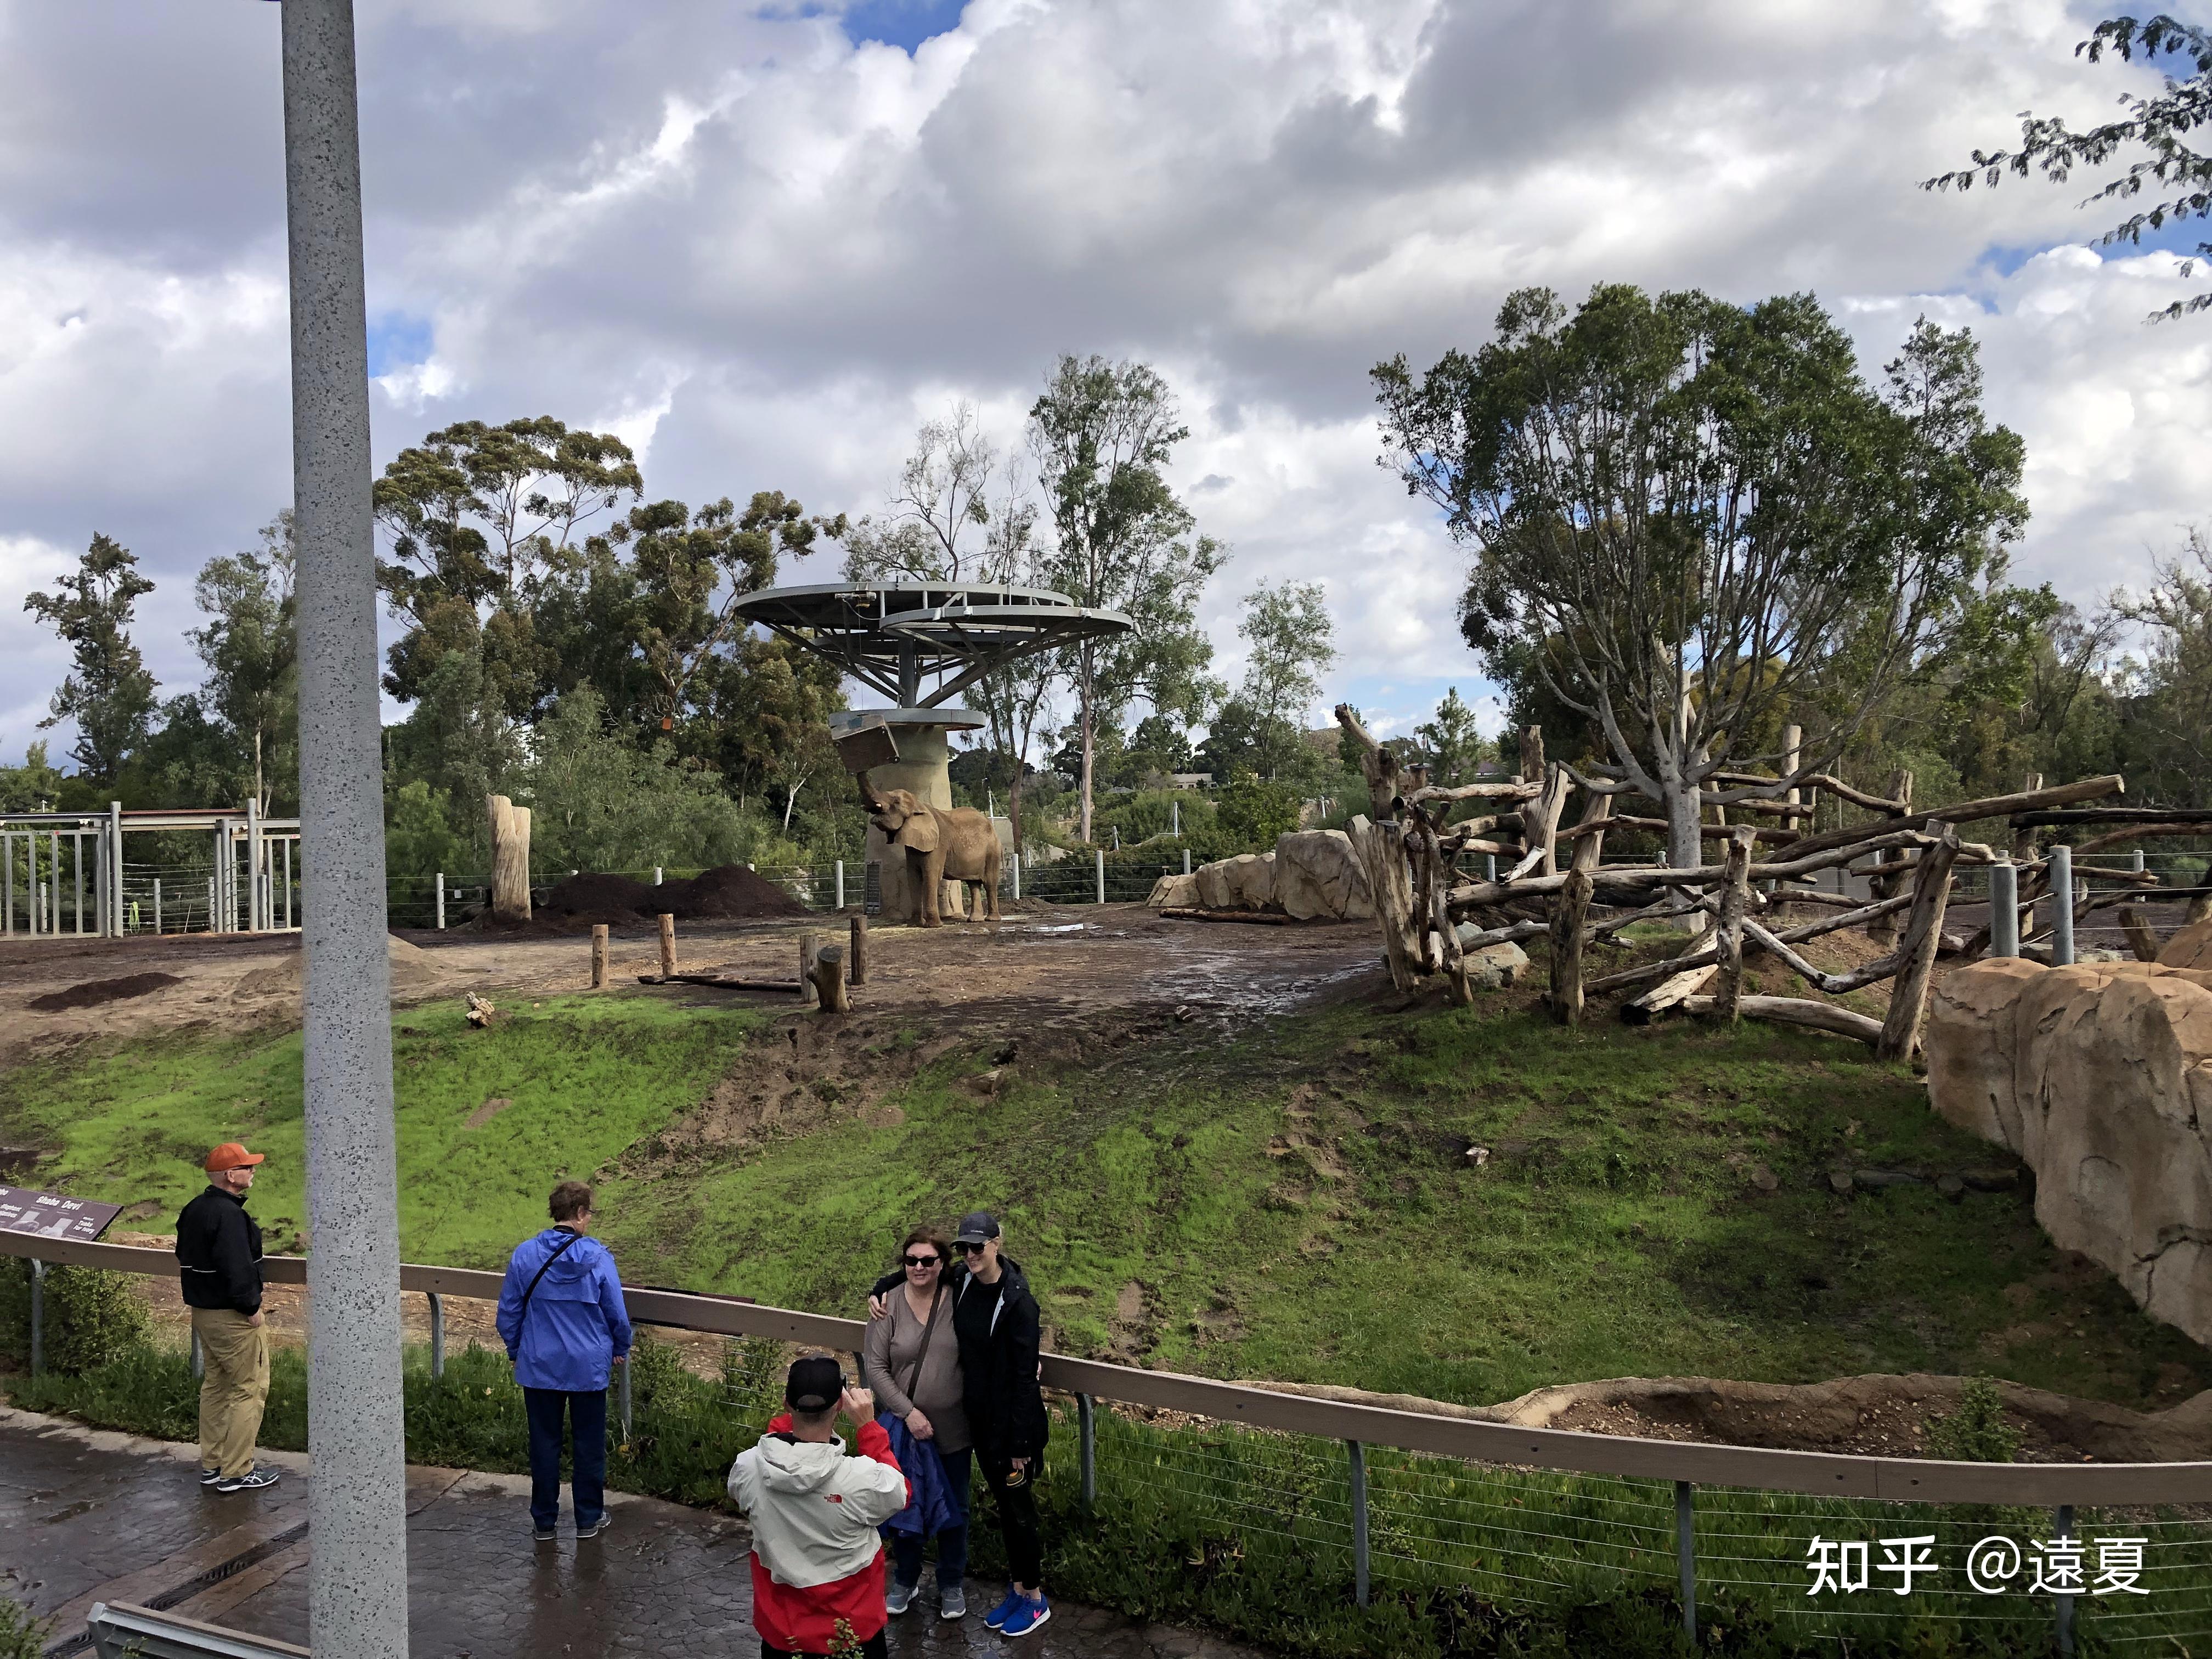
(230,1156)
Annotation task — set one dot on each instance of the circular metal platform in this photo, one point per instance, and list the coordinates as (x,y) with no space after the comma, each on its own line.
(893,636)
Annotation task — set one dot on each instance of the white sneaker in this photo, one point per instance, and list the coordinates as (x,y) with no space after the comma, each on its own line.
(953,1603)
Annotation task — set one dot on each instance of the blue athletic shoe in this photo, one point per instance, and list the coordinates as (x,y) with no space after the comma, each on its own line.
(997,1616)
(1030,1611)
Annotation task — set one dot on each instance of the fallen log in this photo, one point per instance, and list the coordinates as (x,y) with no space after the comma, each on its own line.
(1704,957)
(724,982)
(1797,1011)
(2201,816)
(2163,826)
(1672,991)
(1993,807)
(1923,933)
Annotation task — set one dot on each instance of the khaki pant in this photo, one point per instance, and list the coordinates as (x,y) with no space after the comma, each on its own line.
(232,1389)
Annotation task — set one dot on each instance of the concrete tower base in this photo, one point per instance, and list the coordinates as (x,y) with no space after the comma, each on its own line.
(924,766)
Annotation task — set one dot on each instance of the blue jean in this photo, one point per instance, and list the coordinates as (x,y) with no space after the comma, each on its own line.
(952,1543)
(586,1413)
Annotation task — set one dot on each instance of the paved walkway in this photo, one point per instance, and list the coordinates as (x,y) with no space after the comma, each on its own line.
(86,1516)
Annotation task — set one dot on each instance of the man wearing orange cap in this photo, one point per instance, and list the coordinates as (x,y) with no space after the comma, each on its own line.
(219,1253)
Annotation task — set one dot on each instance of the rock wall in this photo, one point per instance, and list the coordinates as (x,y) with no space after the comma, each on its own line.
(1313,875)
(2099,1076)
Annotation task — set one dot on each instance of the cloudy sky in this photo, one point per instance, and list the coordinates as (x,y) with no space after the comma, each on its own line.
(764,244)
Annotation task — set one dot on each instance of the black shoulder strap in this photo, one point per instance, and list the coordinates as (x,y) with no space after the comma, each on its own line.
(523,1312)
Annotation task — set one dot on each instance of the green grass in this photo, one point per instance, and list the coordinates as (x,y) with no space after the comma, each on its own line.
(587,1077)
(1616,1230)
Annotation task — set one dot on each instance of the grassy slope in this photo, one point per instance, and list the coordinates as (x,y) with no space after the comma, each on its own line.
(1611,1235)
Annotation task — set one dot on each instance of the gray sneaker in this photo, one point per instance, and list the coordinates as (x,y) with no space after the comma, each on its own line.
(952,1603)
(252,1480)
(898,1597)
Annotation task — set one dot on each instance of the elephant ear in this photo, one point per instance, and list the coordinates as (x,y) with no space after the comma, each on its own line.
(919,833)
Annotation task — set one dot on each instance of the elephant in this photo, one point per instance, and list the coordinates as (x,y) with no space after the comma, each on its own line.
(940,846)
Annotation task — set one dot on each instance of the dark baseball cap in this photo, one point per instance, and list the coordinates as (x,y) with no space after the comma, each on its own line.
(815,1384)
(976,1226)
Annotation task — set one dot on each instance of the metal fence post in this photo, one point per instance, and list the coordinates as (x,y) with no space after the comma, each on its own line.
(1017,875)
(38,1316)
(2004,909)
(2063,1606)
(437,1335)
(1490,866)
(1102,878)
(1358,1457)
(1685,1553)
(2061,884)
(157,904)
(657,873)
(840,884)
(622,1395)
(441,879)
(1086,1424)
(1185,860)
(2136,862)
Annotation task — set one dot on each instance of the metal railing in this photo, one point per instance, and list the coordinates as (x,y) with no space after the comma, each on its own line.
(1415,1499)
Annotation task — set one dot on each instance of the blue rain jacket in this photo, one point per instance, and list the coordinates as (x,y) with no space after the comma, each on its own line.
(576,1323)
(930,1508)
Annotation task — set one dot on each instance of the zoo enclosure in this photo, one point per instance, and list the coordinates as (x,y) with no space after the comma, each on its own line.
(1433,1504)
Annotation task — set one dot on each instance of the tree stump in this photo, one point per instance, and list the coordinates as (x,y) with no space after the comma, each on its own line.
(598,956)
(809,953)
(1567,918)
(830,980)
(667,946)
(858,972)
(510,859)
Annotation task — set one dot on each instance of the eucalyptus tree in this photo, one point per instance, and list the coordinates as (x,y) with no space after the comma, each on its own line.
(2155,130)
(250,648)
(1693,520)
(108,690)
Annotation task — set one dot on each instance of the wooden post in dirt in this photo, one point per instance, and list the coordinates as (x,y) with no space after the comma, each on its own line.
(667,946)
(1924,935)
(1735,899)
(1882,930)
(830,980)
(1567,918)
(859,972)
(809,955)
(510,859)
(598,956)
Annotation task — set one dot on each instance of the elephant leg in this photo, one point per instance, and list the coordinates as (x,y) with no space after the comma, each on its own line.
(932,882)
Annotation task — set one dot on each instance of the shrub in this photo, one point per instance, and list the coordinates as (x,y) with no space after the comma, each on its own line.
(1976,1433)
(93,1316)
(21,1637)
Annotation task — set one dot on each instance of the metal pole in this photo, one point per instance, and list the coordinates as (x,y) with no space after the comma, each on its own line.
(1174,819)
(7,886)
(357,1502)
(115,863)
(1685,1554)
(1490,866)
(1102,878)
(2062,905)
(840,884)
(2063,1606)
(441,880)
(2135,863)
(2004,909)
(76,871)
(254,918)
(437,1335)
(157,904)
(1185,860)
(1017,875)
(54,884)
(211,904)
(289,840)
(622,1394)
(103,919)
(656,875)
(1358,1520)
(38,1316)
(1086,1428)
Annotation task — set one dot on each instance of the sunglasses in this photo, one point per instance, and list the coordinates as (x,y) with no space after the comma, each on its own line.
(966,1248)
(919,1261)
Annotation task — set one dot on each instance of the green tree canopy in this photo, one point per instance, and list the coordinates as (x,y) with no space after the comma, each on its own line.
(1688,515)
(109,692)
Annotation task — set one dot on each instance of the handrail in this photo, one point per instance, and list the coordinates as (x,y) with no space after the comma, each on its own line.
(1919,1480)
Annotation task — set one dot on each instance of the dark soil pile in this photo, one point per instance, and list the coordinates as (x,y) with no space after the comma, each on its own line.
(93,993)
(729,892)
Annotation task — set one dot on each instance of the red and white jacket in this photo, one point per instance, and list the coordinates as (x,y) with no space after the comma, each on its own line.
(817,1557)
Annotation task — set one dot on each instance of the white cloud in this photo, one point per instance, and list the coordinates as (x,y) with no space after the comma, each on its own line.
(764,254)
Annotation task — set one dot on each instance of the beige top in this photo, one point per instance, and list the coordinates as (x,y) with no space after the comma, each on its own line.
(887,1356)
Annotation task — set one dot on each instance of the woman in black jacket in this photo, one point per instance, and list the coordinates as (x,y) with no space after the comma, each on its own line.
(994,1319)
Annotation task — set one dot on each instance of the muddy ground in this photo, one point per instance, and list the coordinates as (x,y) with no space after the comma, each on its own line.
(1052,983)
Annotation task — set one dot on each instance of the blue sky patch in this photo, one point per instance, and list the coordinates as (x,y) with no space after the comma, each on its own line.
(902,23)
(397,340)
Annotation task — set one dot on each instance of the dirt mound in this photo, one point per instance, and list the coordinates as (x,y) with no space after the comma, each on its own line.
(729,892)
(94,991)
(416,973)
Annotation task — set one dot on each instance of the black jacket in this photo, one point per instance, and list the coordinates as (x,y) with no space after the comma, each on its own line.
(997,1359)
(219,1250)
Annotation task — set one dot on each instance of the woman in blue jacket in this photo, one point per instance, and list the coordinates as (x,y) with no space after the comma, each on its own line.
(562,1316)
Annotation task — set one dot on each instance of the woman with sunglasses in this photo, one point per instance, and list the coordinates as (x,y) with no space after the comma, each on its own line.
(995,1320)
(911,1359)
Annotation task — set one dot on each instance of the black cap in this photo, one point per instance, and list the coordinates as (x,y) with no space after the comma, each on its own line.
(815,1384)
(976,1226)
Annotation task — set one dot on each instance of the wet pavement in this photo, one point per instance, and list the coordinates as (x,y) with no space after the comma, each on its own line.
(86,1515)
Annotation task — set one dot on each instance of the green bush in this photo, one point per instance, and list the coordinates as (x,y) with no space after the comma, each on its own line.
(1976,1433)
(92,1318)
(21,1637)
(1248,815)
